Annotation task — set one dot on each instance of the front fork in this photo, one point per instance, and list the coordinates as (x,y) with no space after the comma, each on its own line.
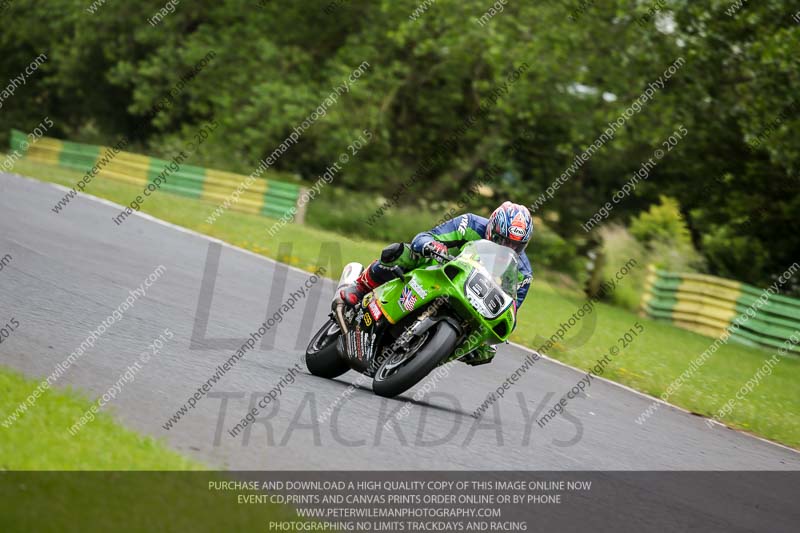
(349,276)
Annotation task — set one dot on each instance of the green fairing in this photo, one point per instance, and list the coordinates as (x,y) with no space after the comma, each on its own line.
(431,277)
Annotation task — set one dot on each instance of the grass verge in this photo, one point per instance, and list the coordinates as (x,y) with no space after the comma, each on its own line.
(171,495)
(653,361)
(40,440)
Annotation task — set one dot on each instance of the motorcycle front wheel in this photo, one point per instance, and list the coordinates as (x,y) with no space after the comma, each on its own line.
(400,372)
(322,354)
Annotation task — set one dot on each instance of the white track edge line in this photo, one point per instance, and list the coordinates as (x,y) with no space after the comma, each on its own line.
(524,348)
(653,398)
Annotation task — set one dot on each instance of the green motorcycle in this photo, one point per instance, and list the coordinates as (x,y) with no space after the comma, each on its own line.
(424,318)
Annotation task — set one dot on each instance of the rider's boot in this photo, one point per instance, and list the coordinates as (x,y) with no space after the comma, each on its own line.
(364,284)
(380,271)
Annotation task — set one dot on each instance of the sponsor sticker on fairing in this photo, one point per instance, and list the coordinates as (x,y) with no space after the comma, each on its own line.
(374,310)
(414,284)
(368,343)
(407,300)
(367,299)
(359,336)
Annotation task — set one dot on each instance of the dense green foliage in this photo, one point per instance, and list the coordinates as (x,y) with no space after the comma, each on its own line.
(443,102)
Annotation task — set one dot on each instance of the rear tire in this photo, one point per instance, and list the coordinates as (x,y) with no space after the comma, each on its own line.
(322,354)
(439,345)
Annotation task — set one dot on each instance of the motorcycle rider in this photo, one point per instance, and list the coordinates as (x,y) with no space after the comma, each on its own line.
(509,225)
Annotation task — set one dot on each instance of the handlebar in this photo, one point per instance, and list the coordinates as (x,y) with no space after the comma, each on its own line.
(446,258)
(442,258)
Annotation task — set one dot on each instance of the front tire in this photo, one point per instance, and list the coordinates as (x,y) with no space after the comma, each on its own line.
(322,354)
(440,343)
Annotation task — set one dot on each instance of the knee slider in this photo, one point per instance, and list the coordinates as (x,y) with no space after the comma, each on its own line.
(392,252)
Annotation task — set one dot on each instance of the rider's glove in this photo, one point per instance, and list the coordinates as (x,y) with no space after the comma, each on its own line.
(434,247)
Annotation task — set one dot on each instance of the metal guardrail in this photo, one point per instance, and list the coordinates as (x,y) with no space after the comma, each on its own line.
(265,197)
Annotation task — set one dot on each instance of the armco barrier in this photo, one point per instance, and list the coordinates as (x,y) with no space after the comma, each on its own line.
(266,197)
(709,305)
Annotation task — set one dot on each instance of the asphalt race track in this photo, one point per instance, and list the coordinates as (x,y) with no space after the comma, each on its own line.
(73,269)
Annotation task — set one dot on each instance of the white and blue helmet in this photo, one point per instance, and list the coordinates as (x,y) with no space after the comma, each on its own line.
(510,225)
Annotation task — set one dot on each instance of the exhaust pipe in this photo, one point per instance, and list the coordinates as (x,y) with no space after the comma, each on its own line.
(349,276)
(339,312)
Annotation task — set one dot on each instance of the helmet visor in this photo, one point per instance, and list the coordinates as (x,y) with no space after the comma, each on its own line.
(517,246)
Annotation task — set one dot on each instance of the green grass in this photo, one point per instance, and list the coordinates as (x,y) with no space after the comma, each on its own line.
(650,364)
(659,356)
(40,440)
(98,502)
(172,496)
